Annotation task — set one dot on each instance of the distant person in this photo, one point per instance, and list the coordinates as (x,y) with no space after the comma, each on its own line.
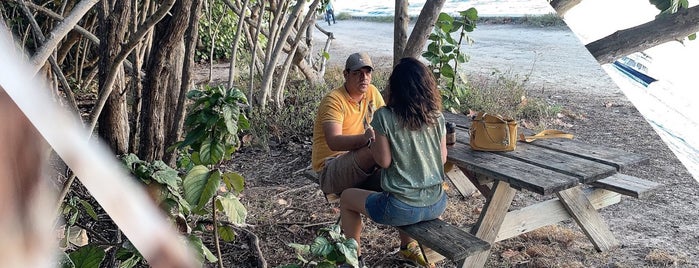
(341,131)
(411,149)
(329,12)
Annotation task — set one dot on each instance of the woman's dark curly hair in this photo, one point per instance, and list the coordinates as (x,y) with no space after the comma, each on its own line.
(413,95)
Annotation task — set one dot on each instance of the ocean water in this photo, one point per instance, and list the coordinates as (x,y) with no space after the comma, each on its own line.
(667,104)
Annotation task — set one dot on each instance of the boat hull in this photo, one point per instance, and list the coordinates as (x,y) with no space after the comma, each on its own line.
(634,74)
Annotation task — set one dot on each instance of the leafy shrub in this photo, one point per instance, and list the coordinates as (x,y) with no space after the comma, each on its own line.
(506,94)
(328,249)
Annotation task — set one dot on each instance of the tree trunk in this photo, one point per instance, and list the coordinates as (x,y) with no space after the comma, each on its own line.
(671,27)
(113,122)
(277,45)
(253,57)
(400,30)
(236,41)
(169,35)
(423,28)
(191,37)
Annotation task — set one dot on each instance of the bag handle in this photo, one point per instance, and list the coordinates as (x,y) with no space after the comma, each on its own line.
(546,134)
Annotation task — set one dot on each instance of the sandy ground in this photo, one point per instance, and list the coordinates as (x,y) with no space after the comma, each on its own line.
(562,71)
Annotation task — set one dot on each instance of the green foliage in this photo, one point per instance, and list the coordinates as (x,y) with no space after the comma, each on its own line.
(669,6)
(217,23)
(328,249)
(203,252)
(128,256)
(213,123)
(161,179)
(89,256)
(444,52)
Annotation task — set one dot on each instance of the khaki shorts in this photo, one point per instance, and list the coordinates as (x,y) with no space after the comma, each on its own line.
(343,172)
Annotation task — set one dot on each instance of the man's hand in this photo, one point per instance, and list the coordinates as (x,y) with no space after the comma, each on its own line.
(369,134)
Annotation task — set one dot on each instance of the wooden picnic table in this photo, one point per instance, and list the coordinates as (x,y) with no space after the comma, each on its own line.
(577,173)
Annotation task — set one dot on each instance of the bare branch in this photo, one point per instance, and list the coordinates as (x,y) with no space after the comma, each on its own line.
(663,29)
(60,32)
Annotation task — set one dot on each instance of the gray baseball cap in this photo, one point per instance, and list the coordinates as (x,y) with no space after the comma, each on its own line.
(357,61)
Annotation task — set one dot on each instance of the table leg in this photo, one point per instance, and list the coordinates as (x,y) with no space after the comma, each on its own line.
(465,181)
(462,182)
(491,219)
(587,217)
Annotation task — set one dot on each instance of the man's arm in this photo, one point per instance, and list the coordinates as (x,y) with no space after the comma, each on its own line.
(338,142)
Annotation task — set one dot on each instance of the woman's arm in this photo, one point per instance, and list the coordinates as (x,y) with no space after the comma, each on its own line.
(444,149)
(381,151)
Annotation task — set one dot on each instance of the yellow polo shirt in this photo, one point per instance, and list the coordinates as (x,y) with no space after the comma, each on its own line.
(337,106)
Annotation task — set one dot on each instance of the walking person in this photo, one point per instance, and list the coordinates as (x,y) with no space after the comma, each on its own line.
(329,12)
(410,147)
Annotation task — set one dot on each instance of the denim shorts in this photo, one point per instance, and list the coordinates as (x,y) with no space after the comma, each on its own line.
(384,208)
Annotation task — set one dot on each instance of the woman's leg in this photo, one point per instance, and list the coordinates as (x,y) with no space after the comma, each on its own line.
(351,207)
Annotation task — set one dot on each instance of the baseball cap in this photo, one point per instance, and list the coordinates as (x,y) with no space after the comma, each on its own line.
(357,61)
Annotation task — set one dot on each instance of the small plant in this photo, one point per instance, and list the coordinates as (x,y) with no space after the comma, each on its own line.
(329,249)
(444,53)
(212,127)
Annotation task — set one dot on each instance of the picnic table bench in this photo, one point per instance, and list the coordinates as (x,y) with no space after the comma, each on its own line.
(582,177)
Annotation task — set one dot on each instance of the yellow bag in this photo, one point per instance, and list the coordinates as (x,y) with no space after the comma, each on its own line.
(493,133)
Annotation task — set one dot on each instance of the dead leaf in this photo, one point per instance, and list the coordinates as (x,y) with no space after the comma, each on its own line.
(282,202)
(509,254)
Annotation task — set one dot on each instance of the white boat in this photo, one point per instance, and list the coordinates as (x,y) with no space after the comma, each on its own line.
(636,66)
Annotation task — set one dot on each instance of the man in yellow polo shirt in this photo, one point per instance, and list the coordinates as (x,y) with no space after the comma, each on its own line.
(341,131)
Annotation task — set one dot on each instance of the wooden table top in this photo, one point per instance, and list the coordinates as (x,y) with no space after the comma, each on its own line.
(542,166)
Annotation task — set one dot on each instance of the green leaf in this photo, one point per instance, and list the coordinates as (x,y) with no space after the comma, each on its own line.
(194,136)
(89,256)
(226,233)
(335,232)
(231,206)
(238,95)
(243,122)
(200,185)
(300,248)
(167,177)
(447,71)
(211,151)
(231,125)
(321,247)
(692,37)
(447,48)
(202,251)
(89,209)
(349,253)
(234,181)
(129,160)
(326,55)
(471,14)
(131,262)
